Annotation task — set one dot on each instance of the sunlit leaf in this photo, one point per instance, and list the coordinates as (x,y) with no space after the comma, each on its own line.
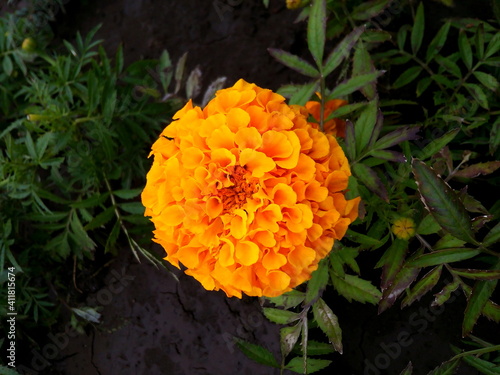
(353,84)
(304,93)
(444,256)
(329,324)
(445,294)
(288,338)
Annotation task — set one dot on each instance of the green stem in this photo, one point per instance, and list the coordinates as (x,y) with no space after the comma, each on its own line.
(423,65)
(476,352)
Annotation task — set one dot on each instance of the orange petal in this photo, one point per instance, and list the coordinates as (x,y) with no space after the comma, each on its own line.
(273,260)
(276,144)
(221,138)
(278,280)
(223,157)
(192,157)
(239,225)
(283,195)
(248,138)
(256,162)
(173,215)
(269,217)
(237,118)
(226,254)
(306,168)
(301,257)
(246,252)
(214,207)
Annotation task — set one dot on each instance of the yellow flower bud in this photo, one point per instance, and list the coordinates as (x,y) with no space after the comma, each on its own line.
(28,45)
(34,117)
(295,4)
(403,228)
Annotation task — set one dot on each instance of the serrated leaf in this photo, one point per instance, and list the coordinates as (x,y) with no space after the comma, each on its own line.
(493,236)
(179,72)
(304,93)
(403,280)
(444,256)
(296,364)
(494,140)
(365,124)
(288,338)
(93,201)
(294,62)
(391,261)
(477,300)
(484,367)
(353,288)
(446,368)
(362,64)
(363,239)
(422,85)
(417,32)
(405,133)
(113,236)
(127,193)
(279,316)
(449,66)
(478,169)
(477,274)
(465,49)
(289,299)
(423,286)
(353,84)
(493,46)
(438,144)
(316,28)
(101,219)
(371,180)
(317,283)
(329,324)
(428,225)
(193,83)
(407,77)
(487,80)
(369,9)
(132,208)
(342,50)
(445,294)
(319,348)
(437,42)
(345,110)
(478,94)
(492,311)
(442,202)
(257,353)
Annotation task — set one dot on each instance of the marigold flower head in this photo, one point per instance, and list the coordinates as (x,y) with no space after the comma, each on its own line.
(246,194)
(403,228)
(334,126)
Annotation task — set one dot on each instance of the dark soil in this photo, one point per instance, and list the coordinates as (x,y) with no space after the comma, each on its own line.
(152,324)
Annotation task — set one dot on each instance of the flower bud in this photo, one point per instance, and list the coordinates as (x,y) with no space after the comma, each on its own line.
(29,45)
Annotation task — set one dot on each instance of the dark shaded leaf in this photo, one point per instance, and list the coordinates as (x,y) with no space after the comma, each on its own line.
(393,156)
(484,367)
(101,219)
(493,236)
(445,294)
(7,65)
(391,261)
(442,202)
(465,49)
(444,256)
(294,62)
(423,286)
(319,348)
(350,140)
(406,133)
(318,282)
(362,64)
(446,368)
(478,94)
(487,80)
(493,45)
(428,225)
(477,274)
(297,365)
(478,169)
(288,338)
(342,50)
(403,280)
(449,65)
(329,324)
(437,42)
(438,144)
(364,126)
(279,316)
(407,77)
(371,180)
(289,299)
(369,9)
(257,353)
(417,32)
(408,370)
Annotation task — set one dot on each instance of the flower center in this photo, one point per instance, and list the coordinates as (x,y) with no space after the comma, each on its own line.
(235,196)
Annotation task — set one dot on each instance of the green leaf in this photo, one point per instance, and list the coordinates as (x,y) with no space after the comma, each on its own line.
(127,193)
(428,225)
(369,9)
(493,46)
(101,219)
(316,30)
(446,368)
(294,62)
(329,324)
(391,261)
(442,202)
(345,110)
(484,367)
(363,239)
(465,49)
(407,77)
(289,299)
(355,83)
(318,282)
(480,294)
(444,256)
(493,236)
(288,338)
(449,65)
(319,348)
(422,85)
(362,64)
(478,169)
(132,208)
(403,280)
(445,294)
(7,65)
(95,200)
(479,42)
(257,353)
(113,236)
(494,140)
(394,156)
(342,50)
(487,80)
(492,311)
(4,370)
(417,32)
(405,133)
(296,364)
(477,274)
(304,93)
(423,286)
(408,370)
(401,39)
(371,180)
(364,125)
(438,144)
(280,316)
(354,288)
(437,42)
(478,94)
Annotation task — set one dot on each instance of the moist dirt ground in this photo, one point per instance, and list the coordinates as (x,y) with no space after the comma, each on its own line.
(153,324)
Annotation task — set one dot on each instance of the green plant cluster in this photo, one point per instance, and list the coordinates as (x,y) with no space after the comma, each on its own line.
(422,137)
(75,132)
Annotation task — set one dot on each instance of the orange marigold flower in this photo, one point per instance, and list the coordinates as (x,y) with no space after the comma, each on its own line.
(246,194)
(335,126)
